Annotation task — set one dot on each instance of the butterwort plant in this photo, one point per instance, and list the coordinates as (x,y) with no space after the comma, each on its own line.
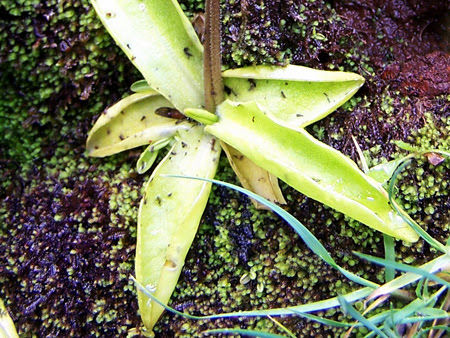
(258,120)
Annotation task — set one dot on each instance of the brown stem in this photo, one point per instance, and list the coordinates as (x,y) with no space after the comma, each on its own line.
(212,58)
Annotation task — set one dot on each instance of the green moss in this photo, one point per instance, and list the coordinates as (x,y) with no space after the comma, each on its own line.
(48,55)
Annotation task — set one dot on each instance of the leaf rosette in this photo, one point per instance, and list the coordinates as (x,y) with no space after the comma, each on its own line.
(260,125)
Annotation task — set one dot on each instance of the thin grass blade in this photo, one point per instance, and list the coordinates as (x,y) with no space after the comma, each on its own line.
(311,307)
(282,327)
(422,233)
(310,240)
(405,267)
(326,321)
(347,308)
(248,333)
(437,264)
(389,254)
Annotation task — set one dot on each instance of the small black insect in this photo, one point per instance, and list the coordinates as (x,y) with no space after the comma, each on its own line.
(252,84)
(187,52)
(229,91)
(158,200)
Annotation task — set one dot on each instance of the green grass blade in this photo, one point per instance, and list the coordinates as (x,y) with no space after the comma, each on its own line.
(419,288)
(311,307)
(347,308)
(422,233)
(437,327)
(391,332)
(389,254)
(249,333)
(404,267)
(418,306)
(310,240)
(416,319)
(326,321)
(282,327)
(438,264)
(431,311)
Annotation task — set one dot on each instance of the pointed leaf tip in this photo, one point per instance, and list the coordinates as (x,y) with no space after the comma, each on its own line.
(293,96)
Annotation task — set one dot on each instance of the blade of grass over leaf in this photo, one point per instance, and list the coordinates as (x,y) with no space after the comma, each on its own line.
(310,240)
(382,173)
(303,162)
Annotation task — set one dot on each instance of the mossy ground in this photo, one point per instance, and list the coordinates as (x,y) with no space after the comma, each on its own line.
(67,237)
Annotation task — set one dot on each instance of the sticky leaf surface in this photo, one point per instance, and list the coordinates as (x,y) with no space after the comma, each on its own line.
(130,123)
(169,215)
(160,41)
(293,96)
(311,167)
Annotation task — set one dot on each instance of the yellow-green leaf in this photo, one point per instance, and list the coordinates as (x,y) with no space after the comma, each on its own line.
(293,96)
(149,155)
(169,215)
(162,44)
(254,178)
(7,328)
(311,167)
(130,123)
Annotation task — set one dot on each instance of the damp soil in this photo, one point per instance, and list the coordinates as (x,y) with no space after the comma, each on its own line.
(58,280)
